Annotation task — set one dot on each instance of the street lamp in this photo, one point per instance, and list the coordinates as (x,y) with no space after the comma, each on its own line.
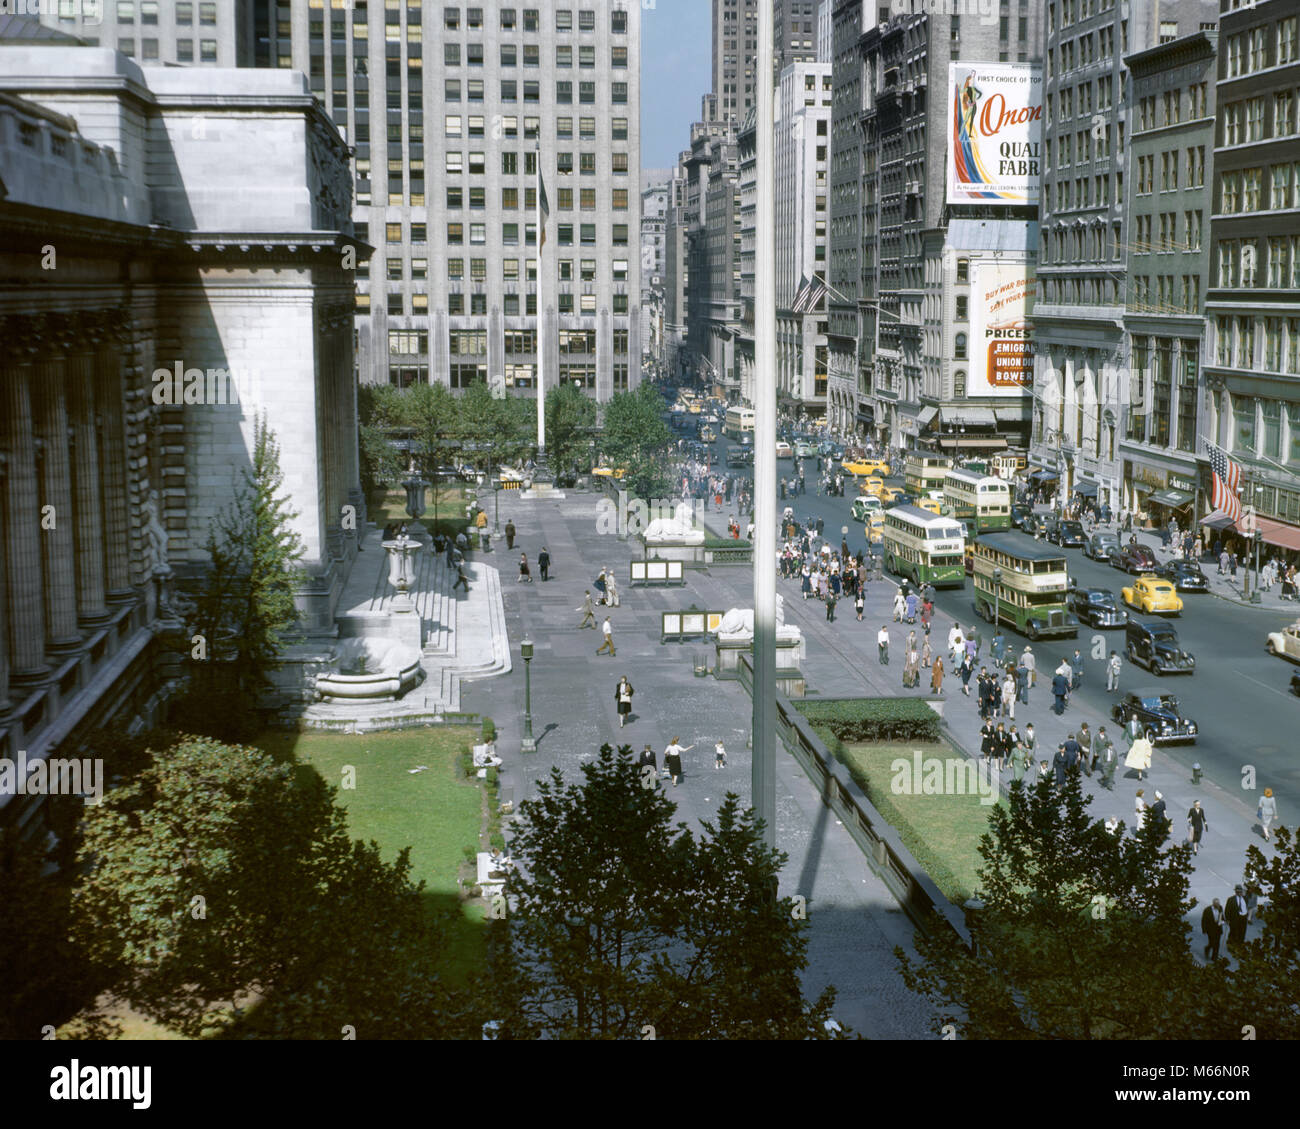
(528,744)
(1255,597)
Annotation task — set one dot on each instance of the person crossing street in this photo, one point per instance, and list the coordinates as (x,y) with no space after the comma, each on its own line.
(608,644)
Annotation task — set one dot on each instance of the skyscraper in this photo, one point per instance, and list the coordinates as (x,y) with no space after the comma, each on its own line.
(451,296)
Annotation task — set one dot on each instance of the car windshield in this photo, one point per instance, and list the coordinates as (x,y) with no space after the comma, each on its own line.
(1071,527)
(1102,599)
(1164,702)
(1163,633)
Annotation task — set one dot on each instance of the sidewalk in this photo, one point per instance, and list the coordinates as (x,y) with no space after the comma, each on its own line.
(842,662)
(854,921)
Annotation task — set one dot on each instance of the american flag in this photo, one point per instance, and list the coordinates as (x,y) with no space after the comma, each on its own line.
(1227,482)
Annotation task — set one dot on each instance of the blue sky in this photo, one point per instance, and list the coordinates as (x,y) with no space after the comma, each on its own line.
(675,74)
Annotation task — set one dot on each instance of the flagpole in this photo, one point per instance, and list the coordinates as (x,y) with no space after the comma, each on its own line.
(541,320)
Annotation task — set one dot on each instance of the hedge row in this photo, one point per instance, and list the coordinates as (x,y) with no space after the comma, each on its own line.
(931,861)
(887,720)
(726,543)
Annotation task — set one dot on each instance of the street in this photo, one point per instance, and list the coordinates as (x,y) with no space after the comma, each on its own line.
(1239,695)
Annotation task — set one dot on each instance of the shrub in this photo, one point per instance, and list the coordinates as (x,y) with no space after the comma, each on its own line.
(489,731)
(726,543)
(497,840)
(467,763)
(491,775)
(886,720)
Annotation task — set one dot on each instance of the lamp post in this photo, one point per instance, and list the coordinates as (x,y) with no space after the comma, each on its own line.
(997,587)
(528,744)
(1255,597)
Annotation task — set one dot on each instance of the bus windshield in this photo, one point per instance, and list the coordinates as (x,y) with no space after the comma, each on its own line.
(1042,568)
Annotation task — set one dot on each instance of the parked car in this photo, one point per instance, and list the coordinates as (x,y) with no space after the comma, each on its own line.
(1153,595)
(1101,546)
(1159,713)
(1018,514)
(1285,643)
(1186,576)
(784,450)
(1067,534)
(1097,607)
(1134,559)
(1154,645)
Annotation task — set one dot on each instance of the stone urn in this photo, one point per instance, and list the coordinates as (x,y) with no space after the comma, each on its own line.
(401,567)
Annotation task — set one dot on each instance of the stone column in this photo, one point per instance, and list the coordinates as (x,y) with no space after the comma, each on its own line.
(112,470)
(58,519)
(22,532)
(89,528)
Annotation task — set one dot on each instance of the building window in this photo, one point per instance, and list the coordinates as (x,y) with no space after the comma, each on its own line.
(959,347)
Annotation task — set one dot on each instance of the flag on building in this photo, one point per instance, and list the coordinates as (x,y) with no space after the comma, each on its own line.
(1227,483)
(809,296)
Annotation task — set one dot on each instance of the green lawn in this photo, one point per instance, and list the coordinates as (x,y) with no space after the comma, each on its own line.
(942,830)
(385,506)
(437,813)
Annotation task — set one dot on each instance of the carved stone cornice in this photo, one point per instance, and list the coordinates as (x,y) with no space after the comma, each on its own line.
(59,333)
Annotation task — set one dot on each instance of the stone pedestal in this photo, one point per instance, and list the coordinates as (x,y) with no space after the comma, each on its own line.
(406,625)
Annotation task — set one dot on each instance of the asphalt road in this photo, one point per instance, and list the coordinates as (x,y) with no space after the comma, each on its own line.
(1239,696)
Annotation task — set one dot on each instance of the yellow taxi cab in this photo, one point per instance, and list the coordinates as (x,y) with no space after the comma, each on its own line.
(889,494)
(875,526)
(872,486)
(864,467)
(931,505)
(1153,595)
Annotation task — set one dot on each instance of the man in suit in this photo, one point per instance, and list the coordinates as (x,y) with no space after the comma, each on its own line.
(1073,752)
(1238,914)
(1060,763)
(1104,754)
(1060,691)
(1212,927)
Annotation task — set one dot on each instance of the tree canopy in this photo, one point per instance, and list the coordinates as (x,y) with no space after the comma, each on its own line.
(625,926)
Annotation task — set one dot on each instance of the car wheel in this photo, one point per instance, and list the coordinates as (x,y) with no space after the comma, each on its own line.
(1151,735)
(1132,653)
(1032,631)
(1272,650)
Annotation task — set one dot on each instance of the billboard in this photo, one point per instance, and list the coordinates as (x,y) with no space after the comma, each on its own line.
(995,125)
(1001,300)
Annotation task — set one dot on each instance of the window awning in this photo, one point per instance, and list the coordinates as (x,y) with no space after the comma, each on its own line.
(970,417)
(1045,475)
(1217,520)
(1087,489)
(977,442)
(1173,499)
(1279,534)
(926,417)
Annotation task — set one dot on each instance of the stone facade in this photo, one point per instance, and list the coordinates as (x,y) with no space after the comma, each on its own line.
(154,221)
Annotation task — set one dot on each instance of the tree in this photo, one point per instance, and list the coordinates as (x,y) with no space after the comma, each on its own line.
(246,604)
(621,921)
(1262,988)
(1081,934)
(220,877)
(635,437)
(570,418)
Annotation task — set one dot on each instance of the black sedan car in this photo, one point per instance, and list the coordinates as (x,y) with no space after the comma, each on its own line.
(740,456)
(1018,514)
(1159,713)
(1154,645)
(1097,607)
(1134,559)
(1186,576)
(1067,534)
(1035,525)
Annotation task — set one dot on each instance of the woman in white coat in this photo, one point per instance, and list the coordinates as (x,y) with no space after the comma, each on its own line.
(1139,756)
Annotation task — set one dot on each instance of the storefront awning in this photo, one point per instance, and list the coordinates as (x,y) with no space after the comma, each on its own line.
(975,443)
(926,417)
(1044,475)
(1217,520)
(1279,534)
(1173,499)
(969,417)
(1087,489)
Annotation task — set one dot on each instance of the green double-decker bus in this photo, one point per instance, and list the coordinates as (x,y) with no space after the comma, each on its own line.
(984,503)
(1023,583)
(929,549)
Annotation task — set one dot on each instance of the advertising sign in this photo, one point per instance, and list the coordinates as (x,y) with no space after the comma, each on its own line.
(1002,363)
(995,119)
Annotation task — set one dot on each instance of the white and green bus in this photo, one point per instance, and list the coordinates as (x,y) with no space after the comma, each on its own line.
(978,499)
(929,549)
(924,471)
(1023,583)
(739,421)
